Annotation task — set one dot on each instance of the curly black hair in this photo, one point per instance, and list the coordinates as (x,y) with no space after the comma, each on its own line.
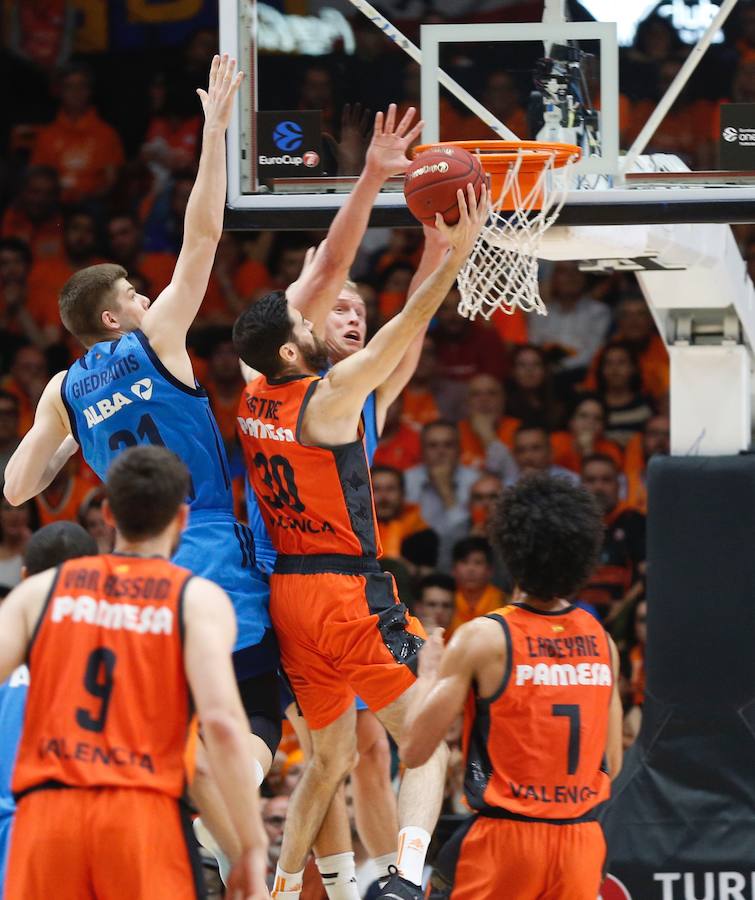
(549,532)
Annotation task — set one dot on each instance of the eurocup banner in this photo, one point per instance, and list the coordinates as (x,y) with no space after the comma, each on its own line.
(681,821)
(289,145)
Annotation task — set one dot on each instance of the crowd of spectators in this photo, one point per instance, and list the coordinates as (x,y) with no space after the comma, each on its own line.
(581,394)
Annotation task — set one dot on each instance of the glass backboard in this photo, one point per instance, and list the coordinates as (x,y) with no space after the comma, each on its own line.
(317,66)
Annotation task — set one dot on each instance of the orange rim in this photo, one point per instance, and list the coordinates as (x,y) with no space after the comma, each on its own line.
(497,156)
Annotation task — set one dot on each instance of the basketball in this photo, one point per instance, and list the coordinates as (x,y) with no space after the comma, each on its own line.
(434,177)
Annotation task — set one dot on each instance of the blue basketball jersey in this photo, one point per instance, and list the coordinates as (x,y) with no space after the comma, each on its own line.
(369,417)
(12,704)
(120,395)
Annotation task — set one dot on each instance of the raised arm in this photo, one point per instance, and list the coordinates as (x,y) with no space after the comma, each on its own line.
(210,635)
(444,679)
(44,450)
(432,257)
(340,396)
(318,286)
(171,315)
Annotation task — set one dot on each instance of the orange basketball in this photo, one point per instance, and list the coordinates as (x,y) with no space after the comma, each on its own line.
(434,177)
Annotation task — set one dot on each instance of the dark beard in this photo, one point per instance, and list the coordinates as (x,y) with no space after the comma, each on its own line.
(316,357)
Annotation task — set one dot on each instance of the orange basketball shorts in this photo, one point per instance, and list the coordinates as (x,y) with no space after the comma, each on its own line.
(343,635)
(103,843)
(493,859)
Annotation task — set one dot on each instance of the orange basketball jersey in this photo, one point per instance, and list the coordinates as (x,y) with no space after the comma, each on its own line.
(314,500)
(536,748)
(109,704)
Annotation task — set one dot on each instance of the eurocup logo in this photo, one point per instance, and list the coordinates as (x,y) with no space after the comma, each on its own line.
(730,135)
(288,136)
(613,889)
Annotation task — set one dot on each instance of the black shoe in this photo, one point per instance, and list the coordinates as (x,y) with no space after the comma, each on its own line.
(398,888)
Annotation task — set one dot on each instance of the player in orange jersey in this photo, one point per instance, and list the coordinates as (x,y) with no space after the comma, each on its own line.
(341,627)
(119,647)
(542,716)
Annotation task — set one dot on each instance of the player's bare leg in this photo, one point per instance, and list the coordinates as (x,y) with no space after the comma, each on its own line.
(420,796)
(334,835)
(334,750)
(375,807)
(215,825)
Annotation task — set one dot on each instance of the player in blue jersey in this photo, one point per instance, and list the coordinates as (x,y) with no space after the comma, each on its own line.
(48,547)
(135,385)
(339,318)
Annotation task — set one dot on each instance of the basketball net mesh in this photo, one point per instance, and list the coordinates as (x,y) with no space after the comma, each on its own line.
(501,271)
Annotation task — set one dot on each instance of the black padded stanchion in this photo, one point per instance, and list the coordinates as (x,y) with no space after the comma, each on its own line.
(681,824)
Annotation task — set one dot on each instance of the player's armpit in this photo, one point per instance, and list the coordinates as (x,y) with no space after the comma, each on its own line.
(47,444)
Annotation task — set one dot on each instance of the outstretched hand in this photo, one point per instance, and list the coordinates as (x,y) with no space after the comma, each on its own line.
(472,216)
(217,100)
(390,142)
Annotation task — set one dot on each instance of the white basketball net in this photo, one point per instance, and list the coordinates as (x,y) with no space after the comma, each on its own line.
(501,271)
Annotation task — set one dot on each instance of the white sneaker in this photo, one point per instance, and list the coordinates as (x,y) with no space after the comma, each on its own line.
(205,838)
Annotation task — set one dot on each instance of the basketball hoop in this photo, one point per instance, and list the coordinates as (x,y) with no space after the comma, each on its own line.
(526,196)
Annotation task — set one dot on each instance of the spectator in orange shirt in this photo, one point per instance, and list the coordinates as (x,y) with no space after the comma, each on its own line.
(84,150)
(164,228)
(654,441)
(63,497)
(27,379)
(620,389)
(399,444)
(635,327)
(224,383)
(487,425)
(404,534)
(420,406)
(585,435)
(48,276)
(241,280)
(473,572)
(172,138)
(394,288)
(126,246)
(34,215)
(435,603)
(530,396)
